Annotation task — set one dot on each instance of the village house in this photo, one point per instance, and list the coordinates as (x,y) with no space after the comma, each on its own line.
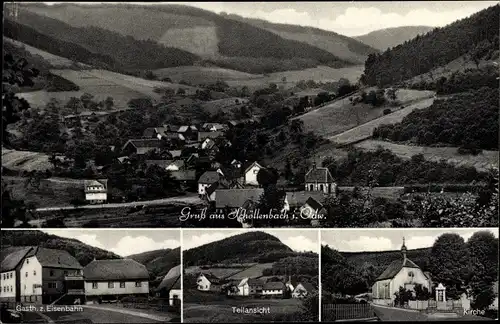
(400,273)
(208,282)
(302,290)
(202,136)
(189,132)
(96,191)
(299,201)
(175,154)
(274,289)
(250,287)
(207,179)
(170,286)
(320,179)
(46,275)
(213,127)
(142,146)
(168,165)
(114,279)
(10,274)
(251,172)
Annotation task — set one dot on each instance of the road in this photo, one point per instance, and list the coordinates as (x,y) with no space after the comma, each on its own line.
(96,314)
(187,199)
(396,314)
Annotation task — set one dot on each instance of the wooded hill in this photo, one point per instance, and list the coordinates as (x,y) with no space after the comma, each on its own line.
(158,262)
(109,29)
(243,248)
(383,39)
(476,35)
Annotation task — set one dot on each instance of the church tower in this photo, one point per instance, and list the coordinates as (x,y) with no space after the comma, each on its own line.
(404,250)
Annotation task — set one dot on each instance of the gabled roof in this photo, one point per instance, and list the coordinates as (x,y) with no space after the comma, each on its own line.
(395,267)
(255,282)
(144,142)
(209,177)
(53,258)
(204,135)
(317,174)
(171,128)
(13,259)
(235,198)
(314,204)
(274,285)
(299,198)
(307,286)
(171,280)
(116,269)
(175,153)
(96,183)
(216,126)
(253,164)
(211,277)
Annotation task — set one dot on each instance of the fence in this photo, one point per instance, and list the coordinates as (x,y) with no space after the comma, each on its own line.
(336,312)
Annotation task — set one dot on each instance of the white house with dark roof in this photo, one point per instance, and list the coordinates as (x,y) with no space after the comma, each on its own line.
(10,274)
(207,179)
(400,273)
(251,172)
(303,289)
(142,146)
(320,179)
(48,274)
(170,286)
(114,279)
(208,282)
(96,191)
(275,289)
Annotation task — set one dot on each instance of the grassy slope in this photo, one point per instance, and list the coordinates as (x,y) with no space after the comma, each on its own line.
(25,160)
(390,37)
(158,262)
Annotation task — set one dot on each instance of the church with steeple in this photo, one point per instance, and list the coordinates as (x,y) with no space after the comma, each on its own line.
(400,273)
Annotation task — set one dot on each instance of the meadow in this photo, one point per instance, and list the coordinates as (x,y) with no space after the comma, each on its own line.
(25,160)
(482,162)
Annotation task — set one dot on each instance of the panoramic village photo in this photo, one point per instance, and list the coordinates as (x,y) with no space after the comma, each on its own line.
(409,275)
(90,276)
(236,276)
(232,115)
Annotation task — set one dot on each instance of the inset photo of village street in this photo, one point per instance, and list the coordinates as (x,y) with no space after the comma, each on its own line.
(90,276)
(250,276)
(409,275)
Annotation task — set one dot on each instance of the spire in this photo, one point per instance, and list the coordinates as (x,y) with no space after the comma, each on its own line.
(314,165)
(403,250)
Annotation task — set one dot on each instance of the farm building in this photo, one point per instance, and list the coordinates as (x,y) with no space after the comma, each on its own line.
(303,289)
(400,273)
(250,287)
(274,289)
(170,286)
(208,282)
(113,279)
(46,275)
(320,179)
(207,179)
(142,146)
(96,191)
(10,274)
(251,172)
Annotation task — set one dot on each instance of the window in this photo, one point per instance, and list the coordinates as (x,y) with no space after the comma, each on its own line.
(34,272)
(11,288)
(94,285)
(24,287)
(111,285)
(138,284)
(52,285)
(51,273)
(11,274)
(255,171)
(321,187)
(27,261)
(26,275)
(311,187)
(122,285)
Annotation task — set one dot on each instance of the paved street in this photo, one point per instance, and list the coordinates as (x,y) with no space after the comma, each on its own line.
(395,314)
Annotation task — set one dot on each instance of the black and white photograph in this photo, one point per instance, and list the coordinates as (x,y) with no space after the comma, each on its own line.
(250,115)
(409,274)
(90,276)
(246,276)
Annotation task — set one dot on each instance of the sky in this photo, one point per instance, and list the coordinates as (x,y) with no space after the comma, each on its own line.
(297,240)
(123,242)
(369,240)
(350,18)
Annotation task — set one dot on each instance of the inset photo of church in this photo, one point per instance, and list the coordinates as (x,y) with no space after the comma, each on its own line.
(409,275)
(235,276)
(90,276)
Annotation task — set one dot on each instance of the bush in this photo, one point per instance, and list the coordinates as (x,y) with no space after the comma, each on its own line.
(387,111)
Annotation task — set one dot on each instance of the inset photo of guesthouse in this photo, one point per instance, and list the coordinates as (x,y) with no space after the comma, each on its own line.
(95,276)
(409,275)
(246,276)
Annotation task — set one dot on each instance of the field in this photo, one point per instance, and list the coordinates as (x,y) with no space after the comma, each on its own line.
(200,40)
(200,74)
(481,162)
(233,273)
(54,60)
(365,131)
(222,311)
(101,84)
(219,272)
(252,272)
(341,115)
(25,160)
(226,104)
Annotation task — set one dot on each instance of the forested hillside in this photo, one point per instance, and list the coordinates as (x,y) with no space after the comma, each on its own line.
(389,37)
(476,36)
(159,262)
(82,252)
(242,248)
